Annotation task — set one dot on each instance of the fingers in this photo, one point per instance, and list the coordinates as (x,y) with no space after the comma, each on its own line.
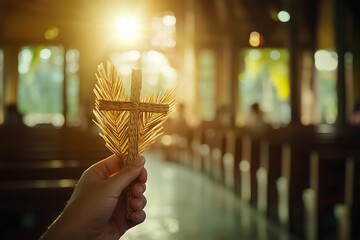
(138,189)
(109,166)
(143,176)
(139,201)
(105,168)
(137,217)
(127,175)
(138,204)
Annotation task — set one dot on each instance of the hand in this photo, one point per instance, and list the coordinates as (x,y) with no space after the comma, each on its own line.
(97,208)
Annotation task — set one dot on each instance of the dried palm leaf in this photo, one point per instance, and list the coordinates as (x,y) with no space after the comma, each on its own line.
(113,110)
(128,126)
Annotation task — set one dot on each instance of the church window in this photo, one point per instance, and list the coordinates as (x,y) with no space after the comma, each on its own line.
(163,29)
(41,85)
(264,79)
(326,63)
(72,87)
(157,72)
(207,84)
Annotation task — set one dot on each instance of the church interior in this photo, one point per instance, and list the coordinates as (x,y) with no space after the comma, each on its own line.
(264,141)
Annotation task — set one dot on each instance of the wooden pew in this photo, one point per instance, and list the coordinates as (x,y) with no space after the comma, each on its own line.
(343,210)
(208,139)
(237,157)
(329,206)
(355,206)
(261,175)
(223,145)
(27,143)
(47,143)
(295,168)
(52,169)
(242,166)
(228,160)
(276,164)
(217,151)
(35,195)
(289,161)
(39,200)
(274,174)
(209,149)
(206,146)
(276,153)
(196,153)
(256,169)
(38,190)
(38,173)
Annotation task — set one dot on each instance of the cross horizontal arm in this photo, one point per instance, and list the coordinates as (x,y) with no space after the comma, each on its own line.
(130,106)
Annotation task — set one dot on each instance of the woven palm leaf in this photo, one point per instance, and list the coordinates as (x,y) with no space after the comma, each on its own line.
(114,124)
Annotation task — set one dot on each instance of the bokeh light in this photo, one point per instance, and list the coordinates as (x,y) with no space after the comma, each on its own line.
(51,33)
(45,54)
(326,60)
(275,55)
(169,19)
(256,39)
(284,16)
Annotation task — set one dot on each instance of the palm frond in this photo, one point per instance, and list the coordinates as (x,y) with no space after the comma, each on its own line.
(114,124)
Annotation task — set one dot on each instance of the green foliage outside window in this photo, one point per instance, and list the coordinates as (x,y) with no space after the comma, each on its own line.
(41,82)
(264,79)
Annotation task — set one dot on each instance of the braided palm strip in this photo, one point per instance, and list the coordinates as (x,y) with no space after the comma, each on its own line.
(129,126)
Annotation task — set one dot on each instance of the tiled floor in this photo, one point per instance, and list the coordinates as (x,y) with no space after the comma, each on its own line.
(187,205)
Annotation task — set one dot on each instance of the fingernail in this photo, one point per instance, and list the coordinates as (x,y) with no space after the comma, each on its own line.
(139,161)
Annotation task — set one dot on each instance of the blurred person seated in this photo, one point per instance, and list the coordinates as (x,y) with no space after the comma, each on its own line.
(223,116)
(255,119)
(13,117)
(355,116)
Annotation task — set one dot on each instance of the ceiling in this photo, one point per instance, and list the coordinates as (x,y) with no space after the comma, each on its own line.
(26,20)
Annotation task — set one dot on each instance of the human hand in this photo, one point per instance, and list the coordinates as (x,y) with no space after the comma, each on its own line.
(97,208)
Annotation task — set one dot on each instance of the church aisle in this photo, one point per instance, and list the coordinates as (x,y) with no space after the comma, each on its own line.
(186,205)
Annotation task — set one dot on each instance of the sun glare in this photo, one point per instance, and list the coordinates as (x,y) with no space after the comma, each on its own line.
(127,29)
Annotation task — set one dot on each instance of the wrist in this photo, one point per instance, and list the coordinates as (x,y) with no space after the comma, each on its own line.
(62,229)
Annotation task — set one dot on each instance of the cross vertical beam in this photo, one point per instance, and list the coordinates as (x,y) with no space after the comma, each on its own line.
(136,84)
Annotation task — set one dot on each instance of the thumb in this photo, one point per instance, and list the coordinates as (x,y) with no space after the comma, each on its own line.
(126,176)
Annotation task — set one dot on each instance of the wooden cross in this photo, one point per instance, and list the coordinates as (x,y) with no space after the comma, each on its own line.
(135,107)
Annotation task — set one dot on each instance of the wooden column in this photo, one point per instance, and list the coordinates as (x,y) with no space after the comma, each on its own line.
(11,74)
(64,91)
(2,92)
(355,49)
(189,84)
(339,30)
(293,46)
